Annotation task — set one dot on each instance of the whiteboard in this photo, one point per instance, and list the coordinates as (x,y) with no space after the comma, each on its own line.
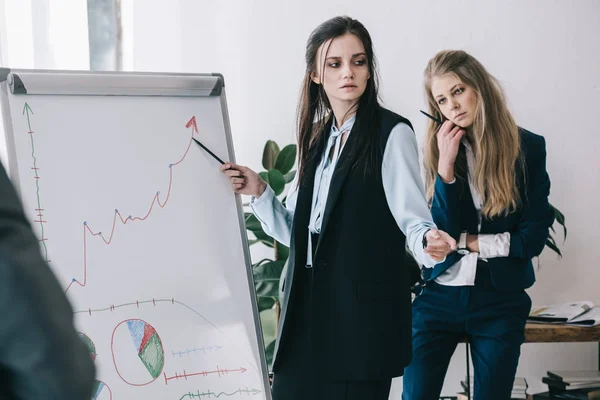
(140,227)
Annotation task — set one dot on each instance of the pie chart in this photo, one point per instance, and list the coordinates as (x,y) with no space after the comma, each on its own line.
(137,351)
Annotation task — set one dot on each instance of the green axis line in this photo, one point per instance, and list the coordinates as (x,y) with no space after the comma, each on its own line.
(209,394)
(26,110)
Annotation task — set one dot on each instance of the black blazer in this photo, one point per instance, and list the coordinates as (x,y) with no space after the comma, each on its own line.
(453,211)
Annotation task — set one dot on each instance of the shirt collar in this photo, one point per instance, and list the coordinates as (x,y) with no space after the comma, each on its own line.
(346,126)
(466,143)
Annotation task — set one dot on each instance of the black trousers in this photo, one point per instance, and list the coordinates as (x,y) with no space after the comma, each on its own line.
(297,376)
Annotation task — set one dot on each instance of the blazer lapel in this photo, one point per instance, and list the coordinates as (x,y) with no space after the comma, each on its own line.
(299,240)
(304,206)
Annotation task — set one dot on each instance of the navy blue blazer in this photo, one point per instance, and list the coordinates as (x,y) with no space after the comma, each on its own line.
(453,211)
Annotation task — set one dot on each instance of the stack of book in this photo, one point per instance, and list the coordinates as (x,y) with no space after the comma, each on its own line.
(572,384)
(519,390)
(576,313)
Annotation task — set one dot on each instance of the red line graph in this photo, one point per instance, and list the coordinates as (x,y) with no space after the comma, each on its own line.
(119,217)
(218,371)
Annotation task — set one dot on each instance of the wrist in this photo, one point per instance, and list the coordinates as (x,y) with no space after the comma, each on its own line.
(462,246)
(446,173)
(262,186)
(473,243)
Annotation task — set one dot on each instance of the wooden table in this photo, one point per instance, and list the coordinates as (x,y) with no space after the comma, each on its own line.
(547,333)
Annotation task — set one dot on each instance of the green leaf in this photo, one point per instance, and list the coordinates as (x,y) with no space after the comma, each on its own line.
(276,181)
(254,226)
(564,230)
(252,223)
(265,303)
(270,154)
(290,176)
(269,325)
(560,218)
(551,240)
(269,271)
(553,247)
(264,260)
(261,235)
(282,252)
(269,350)
(266,278)
(267,289)
(268,243)
(286,159)
(264,176)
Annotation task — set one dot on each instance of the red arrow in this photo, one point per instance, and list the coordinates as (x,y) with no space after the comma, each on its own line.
(192,122)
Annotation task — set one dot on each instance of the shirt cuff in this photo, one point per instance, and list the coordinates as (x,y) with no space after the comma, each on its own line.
(429,262)
(491,245)
(265,198)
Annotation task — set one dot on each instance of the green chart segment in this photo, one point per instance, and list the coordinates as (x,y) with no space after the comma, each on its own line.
(148,345)
(101,388)
(88,342)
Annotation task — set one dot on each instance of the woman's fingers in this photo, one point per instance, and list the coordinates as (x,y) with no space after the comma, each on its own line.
(454,131)
(435,255)
(458,136)
(446,128)
(231,166)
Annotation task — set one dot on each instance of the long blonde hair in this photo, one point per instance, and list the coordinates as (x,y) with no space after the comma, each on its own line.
(494,135)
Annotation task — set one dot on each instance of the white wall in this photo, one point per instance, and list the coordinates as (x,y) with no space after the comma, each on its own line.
(43,34)
(546,53)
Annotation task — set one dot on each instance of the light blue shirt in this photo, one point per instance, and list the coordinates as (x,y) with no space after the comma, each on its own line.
(402,184)
(324,173)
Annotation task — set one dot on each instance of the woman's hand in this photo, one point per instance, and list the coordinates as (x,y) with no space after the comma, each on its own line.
(439,244)
(448,140)
(244,180)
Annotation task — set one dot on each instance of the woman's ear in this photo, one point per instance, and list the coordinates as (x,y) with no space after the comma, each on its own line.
(315,78)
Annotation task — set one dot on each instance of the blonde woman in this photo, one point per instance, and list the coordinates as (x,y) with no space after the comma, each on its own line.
(488,187)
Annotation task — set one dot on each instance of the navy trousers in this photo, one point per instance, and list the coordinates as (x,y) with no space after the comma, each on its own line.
(493,321)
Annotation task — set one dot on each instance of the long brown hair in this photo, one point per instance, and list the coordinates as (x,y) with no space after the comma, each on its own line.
(314,109)
(494,135)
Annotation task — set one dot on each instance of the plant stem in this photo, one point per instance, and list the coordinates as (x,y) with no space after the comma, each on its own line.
(277,313)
